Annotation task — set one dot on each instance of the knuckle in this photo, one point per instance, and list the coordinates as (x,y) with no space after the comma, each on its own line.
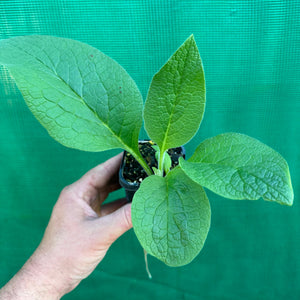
(65,191)
(127,216)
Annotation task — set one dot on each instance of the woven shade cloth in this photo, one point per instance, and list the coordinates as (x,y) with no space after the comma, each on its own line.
(250,52)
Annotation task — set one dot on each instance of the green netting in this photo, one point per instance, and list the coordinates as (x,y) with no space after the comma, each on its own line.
(251,53)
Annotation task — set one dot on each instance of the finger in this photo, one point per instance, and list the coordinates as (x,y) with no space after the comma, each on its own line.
(115,224)
(109,208)
(102,179)
(102,174)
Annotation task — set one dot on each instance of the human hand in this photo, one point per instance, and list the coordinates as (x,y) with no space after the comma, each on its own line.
(79,233)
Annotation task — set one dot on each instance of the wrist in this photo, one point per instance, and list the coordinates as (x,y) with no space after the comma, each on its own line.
(50,270)
(37,280)
(26,285)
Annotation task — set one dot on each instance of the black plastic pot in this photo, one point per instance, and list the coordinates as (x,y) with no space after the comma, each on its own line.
(132,187)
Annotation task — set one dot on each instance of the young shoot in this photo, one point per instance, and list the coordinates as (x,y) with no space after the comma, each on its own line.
(165,166)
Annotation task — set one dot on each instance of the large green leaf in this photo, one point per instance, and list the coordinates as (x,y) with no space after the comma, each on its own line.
(82,97)
(176,98)
(171,217)
(237,166)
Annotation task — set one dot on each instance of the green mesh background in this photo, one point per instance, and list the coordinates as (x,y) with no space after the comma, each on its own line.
(251,53)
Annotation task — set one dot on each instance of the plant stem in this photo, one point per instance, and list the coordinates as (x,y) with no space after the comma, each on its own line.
(161,161)
(142,162)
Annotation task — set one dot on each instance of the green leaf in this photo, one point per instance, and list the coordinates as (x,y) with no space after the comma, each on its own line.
(171,217)
(237,166)
(82,97)
(176,98)
(156,149)
(167,163)
(157,171)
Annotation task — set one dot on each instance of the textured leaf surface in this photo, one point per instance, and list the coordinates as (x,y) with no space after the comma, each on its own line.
(171,217)
(82,97)
(176,98)
(237,166)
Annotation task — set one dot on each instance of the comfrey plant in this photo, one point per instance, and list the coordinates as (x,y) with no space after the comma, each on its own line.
(87,101)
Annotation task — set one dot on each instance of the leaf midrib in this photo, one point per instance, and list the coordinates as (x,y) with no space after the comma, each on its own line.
(173,107)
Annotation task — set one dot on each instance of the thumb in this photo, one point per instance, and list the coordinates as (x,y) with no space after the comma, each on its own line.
(115,224)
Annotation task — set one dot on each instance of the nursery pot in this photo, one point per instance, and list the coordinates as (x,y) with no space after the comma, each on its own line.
(131,174)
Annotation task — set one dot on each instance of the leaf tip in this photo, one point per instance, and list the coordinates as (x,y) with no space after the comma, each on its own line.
(191,39)
(290,201)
